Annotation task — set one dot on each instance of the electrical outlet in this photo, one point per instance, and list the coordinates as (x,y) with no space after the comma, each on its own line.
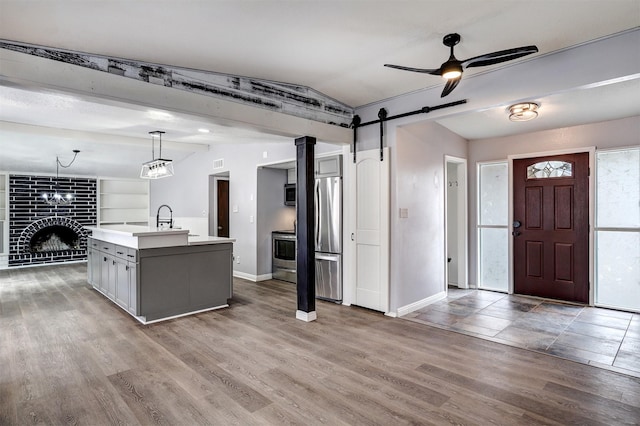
(264,154)
(251,219)
(238,259)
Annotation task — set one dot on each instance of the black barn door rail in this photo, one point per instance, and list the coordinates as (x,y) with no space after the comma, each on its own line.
(382,117)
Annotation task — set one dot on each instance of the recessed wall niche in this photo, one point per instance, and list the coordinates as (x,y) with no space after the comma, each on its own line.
(28,212)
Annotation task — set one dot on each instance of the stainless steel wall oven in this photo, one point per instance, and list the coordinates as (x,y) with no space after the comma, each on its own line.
(284,255)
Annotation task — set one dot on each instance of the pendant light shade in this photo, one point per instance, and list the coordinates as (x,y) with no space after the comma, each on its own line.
(158,167)
(56,198)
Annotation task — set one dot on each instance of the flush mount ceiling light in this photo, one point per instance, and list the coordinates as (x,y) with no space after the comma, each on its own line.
(158,167)
(523,112)
(56,198)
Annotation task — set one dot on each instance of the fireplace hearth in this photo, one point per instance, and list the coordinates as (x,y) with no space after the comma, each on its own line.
(54,238)
(52,234)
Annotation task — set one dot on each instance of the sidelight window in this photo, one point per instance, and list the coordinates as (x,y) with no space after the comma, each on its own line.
(493,232)
(617,256)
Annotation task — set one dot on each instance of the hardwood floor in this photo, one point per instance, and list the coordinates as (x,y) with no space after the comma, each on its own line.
(69,356)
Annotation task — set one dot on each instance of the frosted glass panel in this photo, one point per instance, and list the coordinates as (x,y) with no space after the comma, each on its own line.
(494,259)
(494,194)
(618,269)
(618,188)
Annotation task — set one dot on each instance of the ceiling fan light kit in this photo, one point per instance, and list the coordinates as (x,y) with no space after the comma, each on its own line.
(158,167)
(452,69)
(524,111)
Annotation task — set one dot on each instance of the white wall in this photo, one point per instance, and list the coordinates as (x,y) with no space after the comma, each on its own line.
(608,134)
(418,256)
(187,191)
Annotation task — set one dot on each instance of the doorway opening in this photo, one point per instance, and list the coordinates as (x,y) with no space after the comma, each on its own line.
(456,246)
(219,205)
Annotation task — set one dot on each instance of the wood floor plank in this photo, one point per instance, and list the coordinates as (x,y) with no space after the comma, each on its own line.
(69,355)
(247,397)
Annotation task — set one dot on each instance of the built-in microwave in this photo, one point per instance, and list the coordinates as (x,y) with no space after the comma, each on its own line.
(290,194)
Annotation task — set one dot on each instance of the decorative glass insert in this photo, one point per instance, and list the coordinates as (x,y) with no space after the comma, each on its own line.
(549,169)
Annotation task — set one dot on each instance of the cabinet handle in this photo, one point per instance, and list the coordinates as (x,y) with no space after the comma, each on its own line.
(130,255)
(105,259)
(114,262)
(127,268)
(120,252)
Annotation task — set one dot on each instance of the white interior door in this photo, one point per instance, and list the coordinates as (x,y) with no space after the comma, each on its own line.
(369,210)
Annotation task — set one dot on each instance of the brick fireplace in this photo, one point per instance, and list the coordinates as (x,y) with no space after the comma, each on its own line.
(40,233)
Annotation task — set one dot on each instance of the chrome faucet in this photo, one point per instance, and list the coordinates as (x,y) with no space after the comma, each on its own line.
(165,220)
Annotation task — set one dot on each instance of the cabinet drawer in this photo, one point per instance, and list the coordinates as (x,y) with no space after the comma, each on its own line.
(120,251)
(132,255)
(92,243)
(106,247)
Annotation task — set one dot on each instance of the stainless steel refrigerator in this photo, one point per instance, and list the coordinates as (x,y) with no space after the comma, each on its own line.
(328,236)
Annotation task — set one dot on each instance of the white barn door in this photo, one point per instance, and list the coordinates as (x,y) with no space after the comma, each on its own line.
(369,210)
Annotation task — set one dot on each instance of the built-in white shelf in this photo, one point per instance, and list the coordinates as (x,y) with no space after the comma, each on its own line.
(123,201)
(4,222)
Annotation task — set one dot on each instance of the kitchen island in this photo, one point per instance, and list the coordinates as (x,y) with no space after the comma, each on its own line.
(157,274)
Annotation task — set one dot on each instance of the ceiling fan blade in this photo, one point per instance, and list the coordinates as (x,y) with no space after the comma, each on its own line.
(451,84)
(422,70)
(497,57)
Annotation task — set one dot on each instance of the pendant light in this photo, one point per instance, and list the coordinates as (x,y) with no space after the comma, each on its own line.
(56,198)
(158,167)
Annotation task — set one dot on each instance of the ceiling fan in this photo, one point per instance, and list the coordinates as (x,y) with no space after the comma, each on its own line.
(452,69)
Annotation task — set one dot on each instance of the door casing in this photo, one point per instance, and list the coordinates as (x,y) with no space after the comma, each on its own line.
(461,222)
(591,150)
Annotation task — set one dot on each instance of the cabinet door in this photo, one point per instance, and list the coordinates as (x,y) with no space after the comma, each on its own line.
(133,288)
(111,284)
(90,265)
(105,260)
(122,283)
(96,263)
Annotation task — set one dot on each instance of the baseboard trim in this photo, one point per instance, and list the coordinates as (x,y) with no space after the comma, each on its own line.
(251,277)
(404,310)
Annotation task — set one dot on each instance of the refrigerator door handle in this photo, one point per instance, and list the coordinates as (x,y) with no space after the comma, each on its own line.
(327,256)
(317,212)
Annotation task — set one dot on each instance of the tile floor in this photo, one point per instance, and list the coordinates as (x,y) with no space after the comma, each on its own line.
(601,337)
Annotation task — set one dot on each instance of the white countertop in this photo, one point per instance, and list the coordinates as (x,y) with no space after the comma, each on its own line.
(138,230)
(200,240)
(143,237)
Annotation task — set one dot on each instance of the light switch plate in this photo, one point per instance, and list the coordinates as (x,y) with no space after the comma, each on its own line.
(235,208)
(404,213)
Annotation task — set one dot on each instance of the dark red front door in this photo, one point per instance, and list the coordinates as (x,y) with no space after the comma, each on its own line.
(551,227)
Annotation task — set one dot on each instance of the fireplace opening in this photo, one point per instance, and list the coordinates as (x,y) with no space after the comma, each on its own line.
(54,238)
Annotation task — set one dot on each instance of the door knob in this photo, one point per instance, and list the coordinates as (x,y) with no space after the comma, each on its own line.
(219,227)
(517,224)
(516,233)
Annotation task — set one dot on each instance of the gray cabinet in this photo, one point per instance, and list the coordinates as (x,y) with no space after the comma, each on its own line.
(157,283)
(112,270)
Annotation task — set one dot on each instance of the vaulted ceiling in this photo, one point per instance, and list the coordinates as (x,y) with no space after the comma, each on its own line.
(335,47)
